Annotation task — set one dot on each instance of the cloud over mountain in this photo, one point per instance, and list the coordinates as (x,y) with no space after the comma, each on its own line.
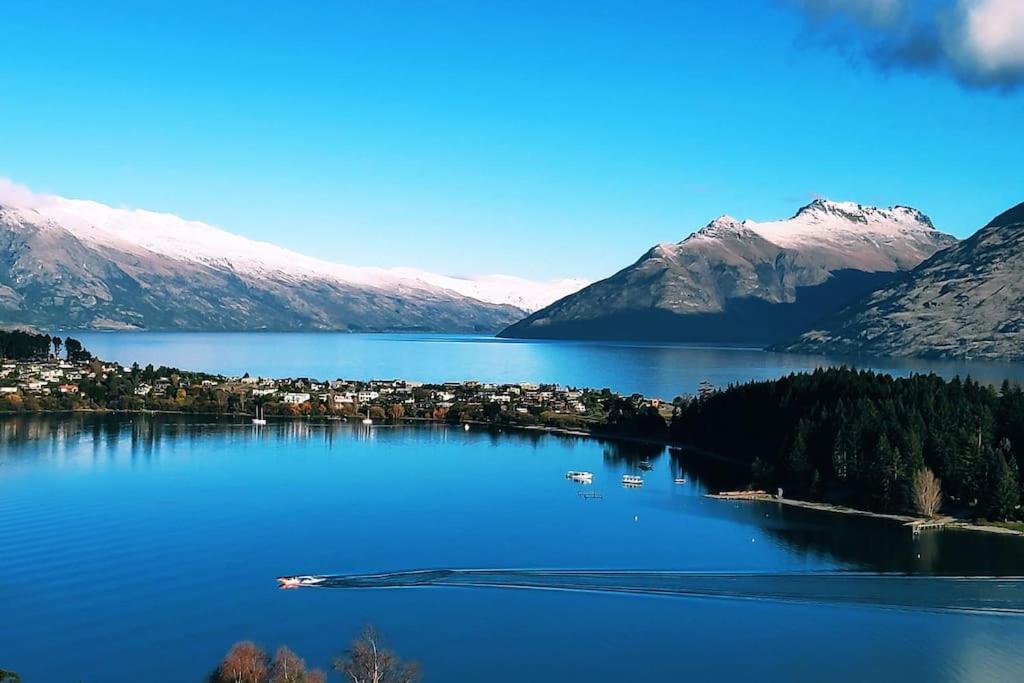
(980,43)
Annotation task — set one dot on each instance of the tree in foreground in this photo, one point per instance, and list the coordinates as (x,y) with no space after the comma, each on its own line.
(245,662)
(927,492)
(288,667)
(9,677)
(368,661)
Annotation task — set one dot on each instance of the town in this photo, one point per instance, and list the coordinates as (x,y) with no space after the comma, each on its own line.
(80,382)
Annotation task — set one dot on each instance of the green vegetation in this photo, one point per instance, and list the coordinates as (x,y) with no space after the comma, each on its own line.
(21,345)
(9,677)
(860,438)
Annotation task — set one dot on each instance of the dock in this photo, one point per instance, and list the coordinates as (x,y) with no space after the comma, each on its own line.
(920,525)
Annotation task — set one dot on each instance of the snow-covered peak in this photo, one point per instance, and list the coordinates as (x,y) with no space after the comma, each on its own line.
(826,221)
(170,236)
(839,233)
(723,226)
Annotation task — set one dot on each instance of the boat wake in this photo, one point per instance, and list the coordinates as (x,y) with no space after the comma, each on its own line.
(994,595)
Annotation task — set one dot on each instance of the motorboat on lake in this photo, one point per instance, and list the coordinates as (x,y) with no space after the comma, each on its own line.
(286,582)
(632,480)
(645,465)
(582,477)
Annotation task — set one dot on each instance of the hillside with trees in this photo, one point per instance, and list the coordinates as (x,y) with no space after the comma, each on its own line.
(869,440)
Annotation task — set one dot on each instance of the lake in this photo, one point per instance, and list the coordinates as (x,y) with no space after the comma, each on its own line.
(140,548)
(661,370)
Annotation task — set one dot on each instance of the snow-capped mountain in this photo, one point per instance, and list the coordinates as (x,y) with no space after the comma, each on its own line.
(74,262)
(964,302)
(746,281)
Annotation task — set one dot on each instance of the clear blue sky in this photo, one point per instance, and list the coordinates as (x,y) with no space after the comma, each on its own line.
(533,138)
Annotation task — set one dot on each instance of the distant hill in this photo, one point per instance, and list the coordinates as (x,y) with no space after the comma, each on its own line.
(78,264)
(964,302)
(744,281)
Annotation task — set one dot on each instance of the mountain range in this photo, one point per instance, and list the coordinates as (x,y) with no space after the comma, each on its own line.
(73,263)
(964,302)
(745,281)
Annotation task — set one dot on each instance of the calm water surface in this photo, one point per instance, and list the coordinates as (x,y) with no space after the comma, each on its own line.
(141,548)
(653,370)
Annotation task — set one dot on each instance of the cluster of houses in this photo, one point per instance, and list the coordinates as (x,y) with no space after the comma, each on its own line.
(42,377)
(353,395)
(61,377)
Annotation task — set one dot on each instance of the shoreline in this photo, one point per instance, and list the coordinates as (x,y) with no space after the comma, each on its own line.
(747,496)
(909,521)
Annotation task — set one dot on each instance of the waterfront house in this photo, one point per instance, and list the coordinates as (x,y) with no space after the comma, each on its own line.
(296,397)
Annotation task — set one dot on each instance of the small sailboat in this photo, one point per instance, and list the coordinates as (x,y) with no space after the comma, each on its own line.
(645,465)
(259,419)
(680,480)
(367,420)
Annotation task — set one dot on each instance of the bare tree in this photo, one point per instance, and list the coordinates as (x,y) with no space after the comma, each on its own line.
(245,662)
(927,492)
(367,661)
(288,667)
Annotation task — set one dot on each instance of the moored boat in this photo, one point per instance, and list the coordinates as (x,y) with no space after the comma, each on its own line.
(632,480)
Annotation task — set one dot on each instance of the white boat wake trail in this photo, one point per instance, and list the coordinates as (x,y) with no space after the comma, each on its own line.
(992,595)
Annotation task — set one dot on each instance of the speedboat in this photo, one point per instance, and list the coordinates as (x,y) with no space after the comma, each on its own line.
(631,480)
(680,480)
(286,582)
(582,477)
(646,465)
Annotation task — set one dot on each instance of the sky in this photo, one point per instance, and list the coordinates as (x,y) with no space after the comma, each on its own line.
(541,139)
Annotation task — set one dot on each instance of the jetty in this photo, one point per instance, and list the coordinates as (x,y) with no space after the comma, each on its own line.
(935,523)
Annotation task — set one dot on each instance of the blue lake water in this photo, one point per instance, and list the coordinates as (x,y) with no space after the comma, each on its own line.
(139,548)
(662,370)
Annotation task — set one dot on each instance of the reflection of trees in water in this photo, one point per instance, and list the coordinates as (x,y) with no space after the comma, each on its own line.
(856,542)
(861,543)
(629,452)
(866,544)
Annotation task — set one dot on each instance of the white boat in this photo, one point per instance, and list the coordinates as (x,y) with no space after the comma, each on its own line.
(582,477)
(632,480)
(680,480)
(366,420)
(259,420)
(297,581)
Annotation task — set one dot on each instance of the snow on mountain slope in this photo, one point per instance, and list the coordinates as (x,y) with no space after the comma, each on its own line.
(745,281)
(529,295)
(844,233)
(168,235)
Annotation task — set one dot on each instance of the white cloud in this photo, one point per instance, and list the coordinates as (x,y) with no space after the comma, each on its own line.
(978,42)
(987,39)
(18,195)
